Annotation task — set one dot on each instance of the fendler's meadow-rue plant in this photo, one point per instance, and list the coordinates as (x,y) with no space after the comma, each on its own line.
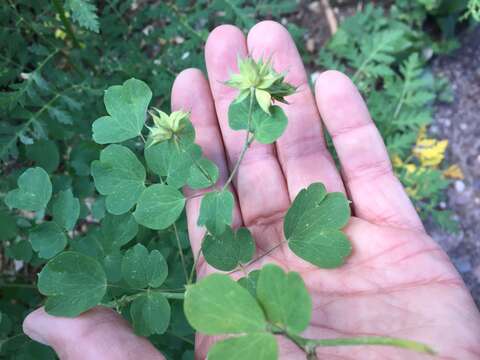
(144,194)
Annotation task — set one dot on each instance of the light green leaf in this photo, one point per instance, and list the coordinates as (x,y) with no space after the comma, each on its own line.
(150,313)
(127,105)
(258,346)
(66,209)
(172,160)
(250,281)
(73,282)
(203,174)
(218,305)
(117,230)
(120,176)
(312,226)
(141,269)
(284,298)
(33,193)
(216,211)
(48,239)
(159,206)
(264,99)
(227,250)
(44,153)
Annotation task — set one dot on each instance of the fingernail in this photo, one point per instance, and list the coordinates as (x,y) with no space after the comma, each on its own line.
(33,329)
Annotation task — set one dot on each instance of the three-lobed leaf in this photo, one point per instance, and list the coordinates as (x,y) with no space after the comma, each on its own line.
(73,282)
(120,176)
(313,226)
(127,105)
(159,206)
(33,193)
(216,211)
(141,269)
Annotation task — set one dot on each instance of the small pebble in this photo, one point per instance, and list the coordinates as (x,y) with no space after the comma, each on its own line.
(459,186)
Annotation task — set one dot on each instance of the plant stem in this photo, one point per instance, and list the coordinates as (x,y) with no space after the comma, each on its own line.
(68,25)
(309,345)
(248,141)
(180,251)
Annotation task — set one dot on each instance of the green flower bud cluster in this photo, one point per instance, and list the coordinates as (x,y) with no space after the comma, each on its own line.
(260,79)
(166,126)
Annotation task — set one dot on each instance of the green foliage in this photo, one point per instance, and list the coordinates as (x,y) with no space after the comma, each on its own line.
(141,269)
(33,193)
(216,211)
(84,13)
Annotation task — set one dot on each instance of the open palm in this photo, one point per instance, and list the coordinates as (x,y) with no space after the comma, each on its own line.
(396,283)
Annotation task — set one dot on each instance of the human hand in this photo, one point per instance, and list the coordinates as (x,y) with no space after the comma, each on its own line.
(397,282)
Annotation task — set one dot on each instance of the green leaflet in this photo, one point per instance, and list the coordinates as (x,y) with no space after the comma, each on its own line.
(172,160)
(284,298)
(127,105)
(227,250)
(258,346)
(266,127)
(313,226)
(33,193)
(250,281)
(218,305)
(8,226)
(216,211)
(48,239)
(141,269)
(159,206)
(73,283)
(117,230)
(203,174)
(120,176)
(150,313)
(21,250)
(66,209)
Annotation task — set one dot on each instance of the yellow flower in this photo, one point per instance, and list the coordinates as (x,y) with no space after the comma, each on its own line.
(165,126)
(430,152)
(453,172)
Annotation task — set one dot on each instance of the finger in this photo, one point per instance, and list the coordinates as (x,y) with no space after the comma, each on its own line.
(259,183)
(99,333)
(377,194)
(191,93)
(301,150)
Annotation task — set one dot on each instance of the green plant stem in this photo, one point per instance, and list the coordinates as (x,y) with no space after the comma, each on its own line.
(180,252)
(124,300)
(68,25)
(248,141)
(309,345)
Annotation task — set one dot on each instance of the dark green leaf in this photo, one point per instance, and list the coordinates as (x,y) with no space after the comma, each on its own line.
(141,269)
(159,206)
(73,283)
(117,230)
(66,209)
(150,313)
(203,174)
(21,251)
(33,193)
(216,211)
(8,225)
(45,154)
(48,239)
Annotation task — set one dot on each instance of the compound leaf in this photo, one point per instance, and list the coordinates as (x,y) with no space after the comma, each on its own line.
(33,193)
(141,269)
(73,283)
(150,313)
(127,105)
(66,209)
(159,206)
(48,239)
(218,305)
(284,298)
(120,176)
(216,211)
(259,346)
(313,226)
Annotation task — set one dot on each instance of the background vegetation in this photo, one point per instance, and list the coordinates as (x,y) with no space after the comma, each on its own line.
(59,56)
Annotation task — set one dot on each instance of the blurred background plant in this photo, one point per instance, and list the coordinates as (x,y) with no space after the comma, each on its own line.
(59,56)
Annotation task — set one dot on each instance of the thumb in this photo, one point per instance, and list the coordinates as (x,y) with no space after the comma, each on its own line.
(99,333)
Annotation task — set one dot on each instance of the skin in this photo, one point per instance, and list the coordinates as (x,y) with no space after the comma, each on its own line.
(398,282)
